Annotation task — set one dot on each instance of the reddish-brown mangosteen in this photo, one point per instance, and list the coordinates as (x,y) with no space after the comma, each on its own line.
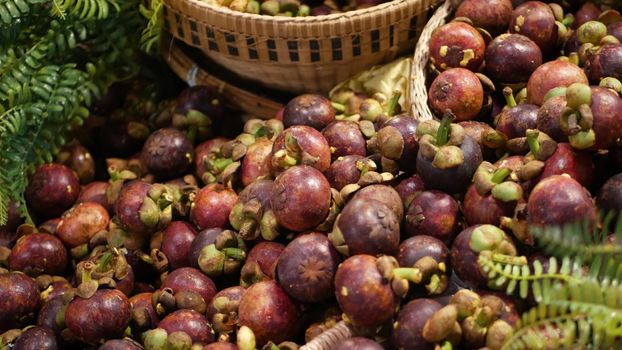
(433,213)
(38,253)
(220,346)
(78,159)
(408,187)
(19,300)
(549,116)
(567,160)
(511,58)
(560,200)
(362,292)
(256,162)
(457,45)
(36,338)
(261,262)
(56,289)
(189,279)
(96,192)
(204,150)
(105,315)
(190,322)
(301,198)
(485,209)
(345,138)
(344,170)
(535,20)
(551,75)
(607,113)
(267,310)
(114,140)
(307,266)
(397,140)
(167,153)
(144,315)
(176,241)
(467,246)
(300,145)
(366,226)
(457,90)
(52,189)
(212,206)
(606,62)
(311,110)
(384,194)
(491,15)
(128,207)
(588,12)
(610,196)
(431,257)
(222,311)
(408,328)
(81,223)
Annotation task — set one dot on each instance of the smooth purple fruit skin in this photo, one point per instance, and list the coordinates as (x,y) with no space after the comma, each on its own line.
(191,280)
(176,242)
(407,127)
(369,227)
(144,301)
(384,194)
(567,160)
(606,62)
(266,254)
(453,180)
(233,294)
(201,240)
(458,90)
(478,209)
(511,58)
(491,15)
(53,189)
(538,24)
(358,343)
(407,333)
(167,153)
(449,43)
(345,138)
(203,150)
(128,205)
(309,140)
(343,171)
(607,110)
(408,188)
(269,312)
(212,206)
(19,299)
(105,315)
(190,322)
(440,216)
(38,253)
(417,247)
(120,344)
(95,192)
(256,162)
(311,110)
(464,260)
(36,338)
(548,118)
(362,293)
(515,121)
(588,12)
(300,198)
(307,267)
(610,196)
(49,311)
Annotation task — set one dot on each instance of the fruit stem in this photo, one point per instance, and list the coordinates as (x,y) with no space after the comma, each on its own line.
(442,135)
(104,260)
(500,174)
(393,103)
(408,273)
(509,97)
(532,141)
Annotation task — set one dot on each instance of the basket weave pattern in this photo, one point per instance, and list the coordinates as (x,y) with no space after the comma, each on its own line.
(301,54)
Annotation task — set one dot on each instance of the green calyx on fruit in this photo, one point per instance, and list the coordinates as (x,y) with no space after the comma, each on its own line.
(225,256)
(440,142)
(491,238)
(489,179)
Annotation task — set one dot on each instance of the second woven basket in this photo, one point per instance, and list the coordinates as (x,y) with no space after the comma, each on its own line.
(300,54)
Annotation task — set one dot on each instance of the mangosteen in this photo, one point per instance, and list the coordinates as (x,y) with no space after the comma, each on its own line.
(19,300)
(433,213)
(457,90)
(38,253)
(212,206)
(345,138)
(311,110)
(52,189)
(493,16)
(552,74)
(167,153)
(536,20)
(408,328)
(397,141)
(300,145)
(457,45)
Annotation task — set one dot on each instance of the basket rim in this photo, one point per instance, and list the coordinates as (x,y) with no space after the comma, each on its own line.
(324,19)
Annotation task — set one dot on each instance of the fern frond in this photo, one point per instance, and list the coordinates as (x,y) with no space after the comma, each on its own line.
(579,240)
(12,11)
(85,9)
(584,314)
(151,35)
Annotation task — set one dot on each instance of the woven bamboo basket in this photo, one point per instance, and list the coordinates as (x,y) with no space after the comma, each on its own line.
(300,54)
(194,73)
